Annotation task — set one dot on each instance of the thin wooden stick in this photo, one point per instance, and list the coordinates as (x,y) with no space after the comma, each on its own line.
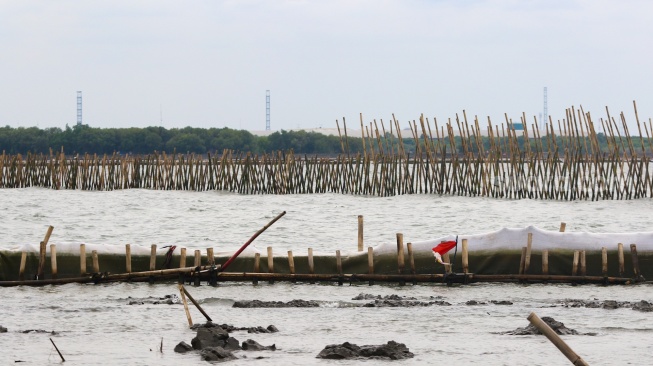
(57,348)
(197,305)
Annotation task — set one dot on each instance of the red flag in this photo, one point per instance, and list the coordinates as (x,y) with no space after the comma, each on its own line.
(442,248)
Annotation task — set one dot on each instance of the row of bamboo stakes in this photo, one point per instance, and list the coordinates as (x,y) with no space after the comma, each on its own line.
(210,268)
(570,162)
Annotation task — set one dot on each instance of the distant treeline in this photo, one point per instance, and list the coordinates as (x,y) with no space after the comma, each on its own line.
(85,139)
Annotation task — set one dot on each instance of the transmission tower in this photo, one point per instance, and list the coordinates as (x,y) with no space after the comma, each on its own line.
(79,108)
(267,110)
(545,116)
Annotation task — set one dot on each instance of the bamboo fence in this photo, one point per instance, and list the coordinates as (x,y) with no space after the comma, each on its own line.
(564,161)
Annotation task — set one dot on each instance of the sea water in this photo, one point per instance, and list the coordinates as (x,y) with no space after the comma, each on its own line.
(94,325)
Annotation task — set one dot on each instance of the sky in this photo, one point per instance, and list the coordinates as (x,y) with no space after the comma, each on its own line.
(209,63)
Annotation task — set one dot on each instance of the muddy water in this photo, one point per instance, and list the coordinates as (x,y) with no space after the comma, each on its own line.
(95,324)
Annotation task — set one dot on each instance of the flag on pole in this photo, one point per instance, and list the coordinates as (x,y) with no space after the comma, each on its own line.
(440,249)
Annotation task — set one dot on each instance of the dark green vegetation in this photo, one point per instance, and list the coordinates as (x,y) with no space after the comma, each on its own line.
(84,139)
(90,140)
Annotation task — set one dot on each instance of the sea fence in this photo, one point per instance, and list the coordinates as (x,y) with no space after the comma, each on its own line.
(564,161)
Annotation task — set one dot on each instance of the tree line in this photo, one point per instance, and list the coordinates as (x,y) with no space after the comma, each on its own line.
(85,139)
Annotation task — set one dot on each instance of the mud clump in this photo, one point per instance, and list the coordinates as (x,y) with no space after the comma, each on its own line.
(389,351)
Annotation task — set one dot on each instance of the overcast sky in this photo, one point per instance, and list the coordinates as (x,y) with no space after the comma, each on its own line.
(209,63)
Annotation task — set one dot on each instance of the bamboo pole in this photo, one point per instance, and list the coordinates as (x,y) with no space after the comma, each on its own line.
(42,250)
(270,262)
(182,258)
(128,258)
(96,262)
(82,259)
(53,260)
(574,268)
(153,257)
(23,262)
(257,266)
(556,340)
(183,299)
(311,264)
(465,257)
(210,258)
(635,260)
(291,263)
(198,258)
(197,263)
(259,232)
(529,246)
(446,259)
(339,267)
(400,253)
(370,263)
(360,233)
(604,261)
(620,252)
(522,260)
(197,305)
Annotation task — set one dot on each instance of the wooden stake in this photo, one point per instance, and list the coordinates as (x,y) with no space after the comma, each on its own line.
(556,340)
(400,253)
(583,264)
(604,261)
(21,270)
(198,258)
(563,226)
(370,262)
(529,246)
(182,258)
(339,267)
(522,260)
(153,257)
(291,262)
(465,257)
(39,273)
(360,233)
(53,260)
(270,262)
(210,257)
(128,258)
(183,299)
(446,259)
(311,265)
(82,259)
(257,266)
(96,262)
(620,251)
(635,260)
(197,263)
(574,268)
(545,262)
